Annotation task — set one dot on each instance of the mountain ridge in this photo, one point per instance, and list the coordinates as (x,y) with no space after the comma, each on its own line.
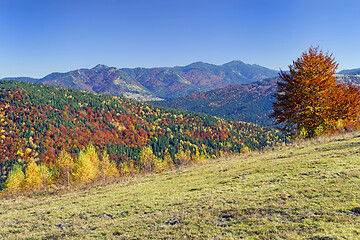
(355,71)
(155,83)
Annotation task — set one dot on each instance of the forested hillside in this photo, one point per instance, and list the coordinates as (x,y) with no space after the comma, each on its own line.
(38,121)
(240,102)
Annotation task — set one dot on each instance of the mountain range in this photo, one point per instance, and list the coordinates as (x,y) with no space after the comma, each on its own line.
(235,90)
(155,83)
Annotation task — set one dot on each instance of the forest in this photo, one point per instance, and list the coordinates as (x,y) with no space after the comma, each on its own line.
(38,122)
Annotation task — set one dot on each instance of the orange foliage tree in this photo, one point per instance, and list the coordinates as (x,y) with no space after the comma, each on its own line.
(309,101)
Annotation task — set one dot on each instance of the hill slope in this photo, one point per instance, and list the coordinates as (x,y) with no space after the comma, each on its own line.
(241,102)
(355,71)
(37,121)
(155,83)
(308,191)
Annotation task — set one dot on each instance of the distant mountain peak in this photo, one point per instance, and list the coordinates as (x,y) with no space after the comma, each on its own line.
(199,64)
(100,66)
(355,71)
(234,62)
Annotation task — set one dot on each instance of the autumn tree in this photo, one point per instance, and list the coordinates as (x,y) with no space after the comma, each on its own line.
(148,160)
(15,181)
(33,176)
(91,153)
(64,165)
(108,169)
(183,157)
(308,99)
(84,170)
(345,107)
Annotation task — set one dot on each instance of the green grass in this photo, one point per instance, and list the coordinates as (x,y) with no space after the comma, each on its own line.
(310,190)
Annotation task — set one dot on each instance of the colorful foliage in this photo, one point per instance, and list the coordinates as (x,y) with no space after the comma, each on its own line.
(33,177)
(148,160)
(84,170)
(108,170)
(309,101)
(15,181)
(64,165)
(39,121)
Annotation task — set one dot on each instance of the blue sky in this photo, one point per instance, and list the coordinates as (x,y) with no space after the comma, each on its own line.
(40,37)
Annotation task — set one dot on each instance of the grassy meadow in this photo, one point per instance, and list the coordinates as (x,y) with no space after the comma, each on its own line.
(309,190)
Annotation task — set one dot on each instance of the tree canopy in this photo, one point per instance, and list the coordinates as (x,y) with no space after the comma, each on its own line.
(309,101)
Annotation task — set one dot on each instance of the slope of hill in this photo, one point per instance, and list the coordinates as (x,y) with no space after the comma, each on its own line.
(154,83)
(247,102)
(355,71)
(241,102)
(348,78)
(307,191)
(37,121)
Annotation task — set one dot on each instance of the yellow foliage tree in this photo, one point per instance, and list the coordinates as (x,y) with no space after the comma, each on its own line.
(195,157)
(45,175)
(33,177)
(84,170)
(15,181)
(165,164)
(64,165)
(245,149)
(147,159)
(128,168)
(90,153)
(183,158)
(108,169)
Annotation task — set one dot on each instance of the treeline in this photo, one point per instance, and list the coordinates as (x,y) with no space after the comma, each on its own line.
(88,167)
(38,122)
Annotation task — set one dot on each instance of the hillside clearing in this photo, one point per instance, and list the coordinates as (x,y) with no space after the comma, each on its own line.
(310,190)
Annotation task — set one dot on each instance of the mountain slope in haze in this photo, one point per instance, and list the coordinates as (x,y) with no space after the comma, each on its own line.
(355,71)
(244,102)
(156,83)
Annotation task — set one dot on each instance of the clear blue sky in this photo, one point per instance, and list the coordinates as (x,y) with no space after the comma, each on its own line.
(40,37)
